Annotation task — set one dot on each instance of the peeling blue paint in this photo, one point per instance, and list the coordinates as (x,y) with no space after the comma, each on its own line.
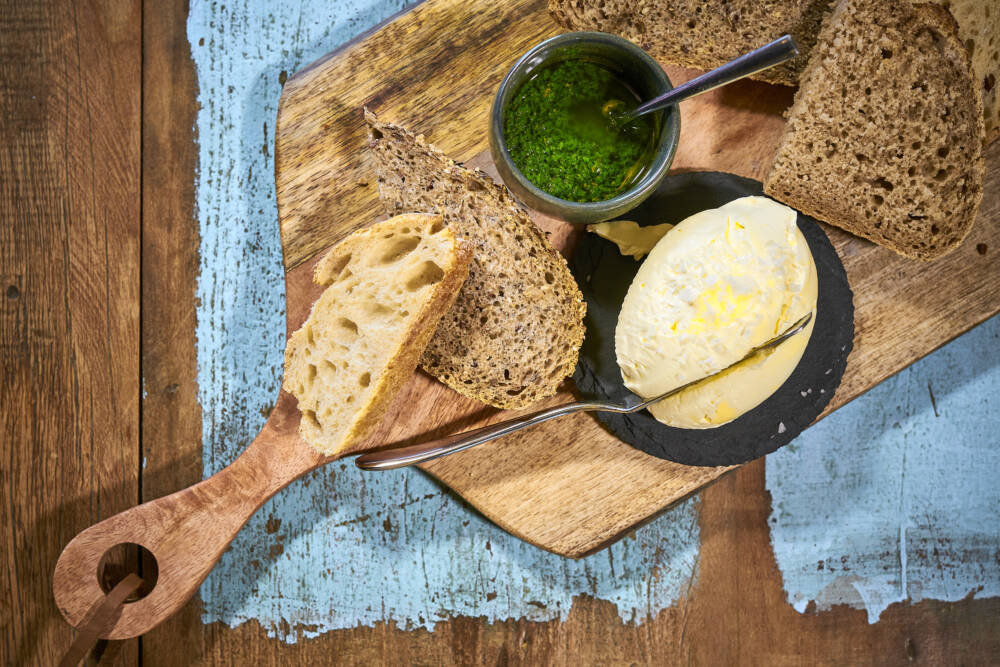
(342,548)
(895,496)
(346,548)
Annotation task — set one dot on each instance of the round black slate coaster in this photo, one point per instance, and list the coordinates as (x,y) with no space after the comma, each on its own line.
(604,276)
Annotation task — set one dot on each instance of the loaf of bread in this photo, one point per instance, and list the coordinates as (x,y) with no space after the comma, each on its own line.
(707,33)
(702,33)
(387,287)
(885,137)
(979,29)
(516,328)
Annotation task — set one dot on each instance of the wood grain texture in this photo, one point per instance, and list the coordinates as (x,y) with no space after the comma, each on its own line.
(428,62)
(70,76)
(171,414)
(559,485)
(186,531)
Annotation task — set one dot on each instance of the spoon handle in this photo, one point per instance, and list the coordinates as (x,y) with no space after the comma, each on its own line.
(435,449)
(769,55)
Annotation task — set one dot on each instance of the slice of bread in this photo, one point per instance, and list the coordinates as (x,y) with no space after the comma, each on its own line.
(702,33)
(979,29)
(516,328)
(885,137)
(387,287)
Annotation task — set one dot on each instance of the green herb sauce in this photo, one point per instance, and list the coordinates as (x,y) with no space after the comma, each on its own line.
(559,136)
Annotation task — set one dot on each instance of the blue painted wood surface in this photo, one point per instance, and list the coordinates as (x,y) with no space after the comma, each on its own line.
(891,497)
(895,496)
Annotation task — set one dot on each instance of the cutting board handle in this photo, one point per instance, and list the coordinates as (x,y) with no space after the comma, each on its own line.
(186,531)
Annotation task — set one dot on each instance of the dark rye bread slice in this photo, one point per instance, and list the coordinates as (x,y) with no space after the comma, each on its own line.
(516,327)
(702,33)
(885,136)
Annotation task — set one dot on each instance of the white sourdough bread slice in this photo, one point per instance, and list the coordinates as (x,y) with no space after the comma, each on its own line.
(702,33)
(387,287)
(979,29)
(516,328)
(885,137)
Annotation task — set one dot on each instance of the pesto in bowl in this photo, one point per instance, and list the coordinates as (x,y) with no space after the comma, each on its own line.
(560,137)
(546,161)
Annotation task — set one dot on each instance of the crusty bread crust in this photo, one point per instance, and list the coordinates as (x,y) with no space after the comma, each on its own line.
(515,330)
(885,136)
(390,303)
(979,30)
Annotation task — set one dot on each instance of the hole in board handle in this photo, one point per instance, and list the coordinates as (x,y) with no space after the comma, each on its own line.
(128,558)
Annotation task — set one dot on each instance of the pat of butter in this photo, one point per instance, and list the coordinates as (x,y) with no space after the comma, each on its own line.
(630,238)
(715,286)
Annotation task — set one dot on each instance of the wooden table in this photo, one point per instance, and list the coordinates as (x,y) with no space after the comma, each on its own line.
(99,409)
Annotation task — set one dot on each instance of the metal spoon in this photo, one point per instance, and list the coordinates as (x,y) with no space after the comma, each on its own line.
(775,53)
(427,451)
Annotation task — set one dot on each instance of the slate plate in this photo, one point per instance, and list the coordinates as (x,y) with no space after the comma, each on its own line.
(604,276)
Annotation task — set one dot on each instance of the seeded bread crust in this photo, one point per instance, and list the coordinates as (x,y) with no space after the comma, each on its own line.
(885,137)
(703,34)
(387,287)
(515,330)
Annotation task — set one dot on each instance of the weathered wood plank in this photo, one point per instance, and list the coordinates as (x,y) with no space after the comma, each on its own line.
(894,499)
(739,614)
(171,414)
(70,76)
(734,613)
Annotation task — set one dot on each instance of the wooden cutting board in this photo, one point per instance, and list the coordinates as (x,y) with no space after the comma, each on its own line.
(568,486)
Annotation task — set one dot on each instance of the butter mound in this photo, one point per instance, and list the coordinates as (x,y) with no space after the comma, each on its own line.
(715,286)
(630,238)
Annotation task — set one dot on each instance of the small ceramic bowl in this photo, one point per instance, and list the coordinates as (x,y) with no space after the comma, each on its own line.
(643,74)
